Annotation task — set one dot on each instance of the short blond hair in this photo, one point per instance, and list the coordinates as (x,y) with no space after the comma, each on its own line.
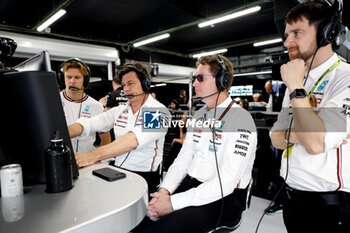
(256,95)
(75,64)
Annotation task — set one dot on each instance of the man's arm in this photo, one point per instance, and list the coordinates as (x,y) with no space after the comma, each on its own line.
(75,130)
(119,146)
(278,138)
(309,128)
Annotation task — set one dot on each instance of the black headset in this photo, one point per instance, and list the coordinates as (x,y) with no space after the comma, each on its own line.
(223,77)
(330,27)
(60,74)
(144,78)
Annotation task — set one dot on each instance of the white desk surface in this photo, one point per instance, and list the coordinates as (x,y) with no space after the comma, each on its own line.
(93,205)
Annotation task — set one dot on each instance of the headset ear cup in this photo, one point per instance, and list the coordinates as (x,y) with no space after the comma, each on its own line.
(60,80)
(87,77)
(223,77)
(86,81)
(327,32)
(330,27)
(331,31)
(225,80)
(146,84)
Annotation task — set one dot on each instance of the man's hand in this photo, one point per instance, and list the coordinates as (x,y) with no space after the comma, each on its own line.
(292,74)
(160,204)
(85,159)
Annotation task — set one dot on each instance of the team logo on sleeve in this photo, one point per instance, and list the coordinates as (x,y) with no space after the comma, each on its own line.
(151,120)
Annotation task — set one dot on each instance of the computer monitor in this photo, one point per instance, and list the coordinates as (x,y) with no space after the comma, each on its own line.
(39,62)
(242,90)
(32,111)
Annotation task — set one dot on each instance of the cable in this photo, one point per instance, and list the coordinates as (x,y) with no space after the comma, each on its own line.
(287,151)
(285,178)
(217,167)
(312,60)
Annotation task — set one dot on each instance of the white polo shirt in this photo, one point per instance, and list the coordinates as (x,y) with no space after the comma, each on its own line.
(148,155)
(235,145)
(327,171)
(86,108)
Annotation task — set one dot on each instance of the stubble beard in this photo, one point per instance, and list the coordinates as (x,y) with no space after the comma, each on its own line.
(304,56)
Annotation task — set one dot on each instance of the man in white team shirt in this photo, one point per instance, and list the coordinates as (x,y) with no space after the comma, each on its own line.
(317,162)
(134,149)
(76,103)
(190,197)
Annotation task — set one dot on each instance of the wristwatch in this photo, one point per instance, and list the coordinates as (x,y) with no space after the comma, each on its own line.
(298,93)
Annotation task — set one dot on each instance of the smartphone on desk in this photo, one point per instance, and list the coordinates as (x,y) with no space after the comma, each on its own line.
(108,174)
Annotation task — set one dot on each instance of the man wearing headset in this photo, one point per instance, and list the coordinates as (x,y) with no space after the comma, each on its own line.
(134,148)
(74,78)
(214,163)
(314,122)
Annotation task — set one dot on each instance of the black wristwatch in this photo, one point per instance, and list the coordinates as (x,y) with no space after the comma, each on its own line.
(298,93)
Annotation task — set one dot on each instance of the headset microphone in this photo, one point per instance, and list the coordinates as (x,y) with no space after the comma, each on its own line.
(132,96)
(75,88)
(200,98)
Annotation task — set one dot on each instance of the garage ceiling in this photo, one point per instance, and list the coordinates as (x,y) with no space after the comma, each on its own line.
(121,22)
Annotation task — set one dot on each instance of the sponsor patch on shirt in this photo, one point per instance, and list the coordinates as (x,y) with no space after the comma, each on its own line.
(321,87)
(242,144)
(218,136)
(346,110)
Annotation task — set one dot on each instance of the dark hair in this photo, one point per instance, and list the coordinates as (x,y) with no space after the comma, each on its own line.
(314,12)
(215,66)
(245,103)
(116,80)
(127,69)
(175,102)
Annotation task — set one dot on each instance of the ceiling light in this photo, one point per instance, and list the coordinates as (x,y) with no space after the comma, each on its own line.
(50,20)
(150,40)
(209,53)
(230,16)
(160,85)
(266,42)
(253,73)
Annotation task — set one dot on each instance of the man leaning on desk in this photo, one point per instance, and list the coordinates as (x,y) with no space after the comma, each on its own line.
(134,148)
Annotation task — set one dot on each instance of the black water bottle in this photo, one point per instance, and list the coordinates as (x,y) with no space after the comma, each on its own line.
(58,166)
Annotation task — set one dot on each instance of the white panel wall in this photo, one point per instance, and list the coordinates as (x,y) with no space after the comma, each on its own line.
(28,45)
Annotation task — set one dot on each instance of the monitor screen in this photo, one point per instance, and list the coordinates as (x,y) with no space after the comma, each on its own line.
(246,90)
(39,62)
(33,112)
